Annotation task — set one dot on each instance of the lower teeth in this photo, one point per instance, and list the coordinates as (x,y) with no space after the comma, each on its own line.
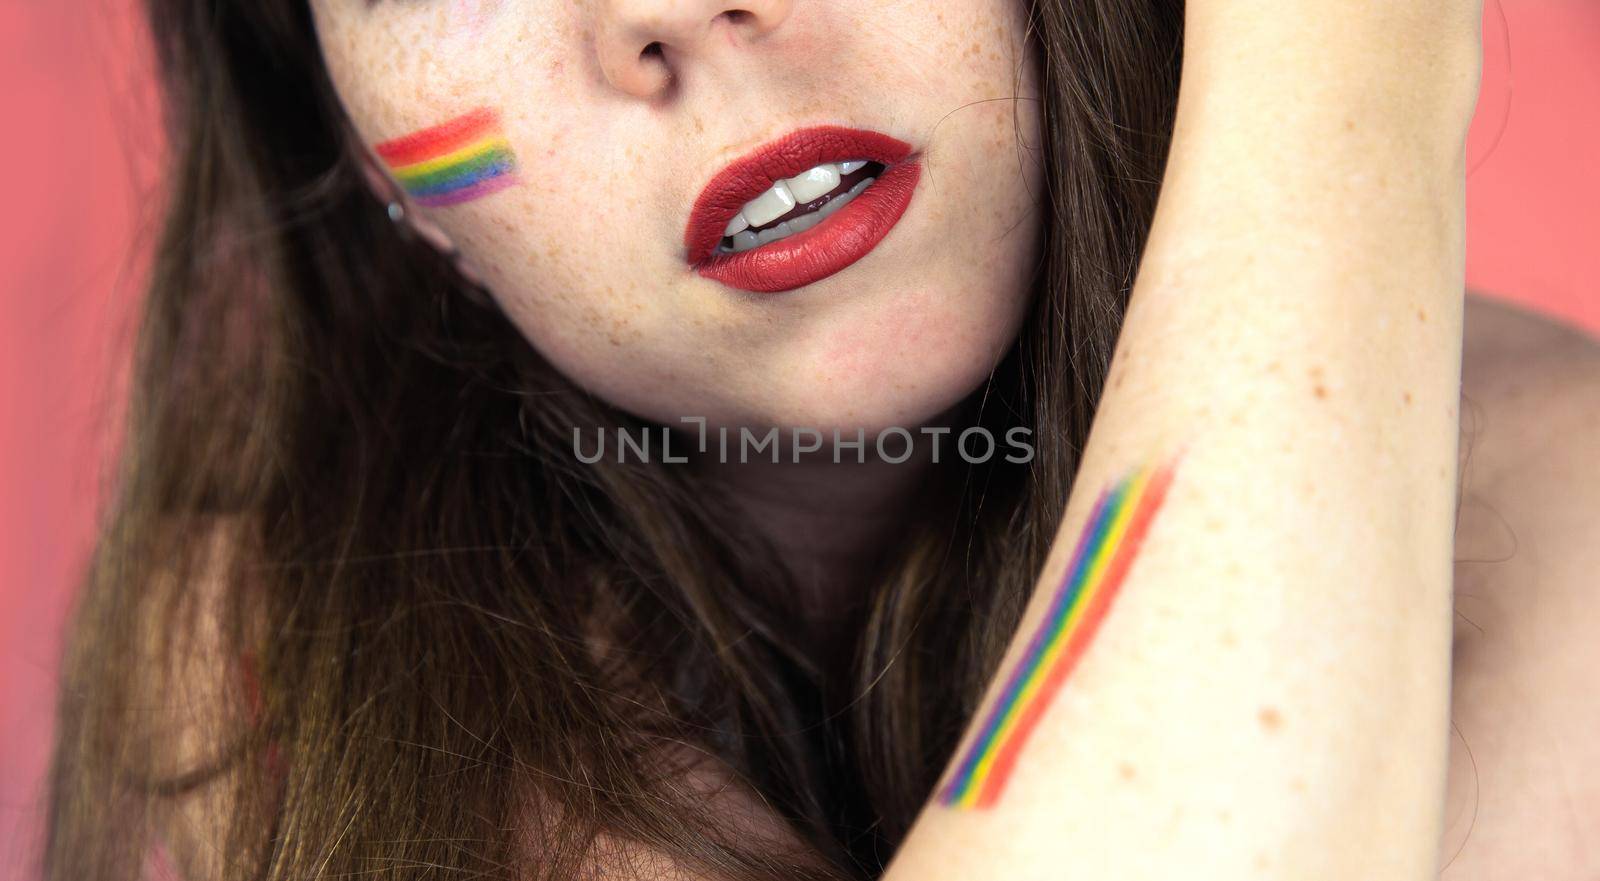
(750,238)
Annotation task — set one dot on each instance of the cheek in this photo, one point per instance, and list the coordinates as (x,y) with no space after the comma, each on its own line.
(554,259)
(470,20)
(562,282)
(560,225)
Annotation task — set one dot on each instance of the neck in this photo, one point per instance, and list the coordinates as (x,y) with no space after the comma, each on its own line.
(830,523)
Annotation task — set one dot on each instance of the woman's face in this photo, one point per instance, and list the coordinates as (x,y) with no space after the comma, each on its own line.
(598,126)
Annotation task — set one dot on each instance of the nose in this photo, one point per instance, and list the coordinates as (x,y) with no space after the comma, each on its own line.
(642,44)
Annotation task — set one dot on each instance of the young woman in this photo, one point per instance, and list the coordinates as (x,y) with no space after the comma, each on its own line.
(854,590)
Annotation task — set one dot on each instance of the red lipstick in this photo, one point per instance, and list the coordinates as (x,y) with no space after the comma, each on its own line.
(835,243)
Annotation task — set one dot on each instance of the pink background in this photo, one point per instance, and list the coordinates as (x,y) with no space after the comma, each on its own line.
(82,150)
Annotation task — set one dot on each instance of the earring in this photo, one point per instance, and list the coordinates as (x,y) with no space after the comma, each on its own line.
(474,289)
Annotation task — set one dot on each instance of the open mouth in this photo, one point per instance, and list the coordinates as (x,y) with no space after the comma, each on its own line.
(796,204)
(800,208)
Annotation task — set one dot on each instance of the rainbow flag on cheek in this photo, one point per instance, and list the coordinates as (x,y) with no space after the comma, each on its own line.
(457,161)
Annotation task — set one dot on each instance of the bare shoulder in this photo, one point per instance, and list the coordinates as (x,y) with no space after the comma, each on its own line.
(1525,768)
(1530,411)
(1530,436)
(1527,363)
(1530,462)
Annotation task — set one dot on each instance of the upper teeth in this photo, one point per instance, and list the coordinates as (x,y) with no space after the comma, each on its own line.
(781,198)
(746,239)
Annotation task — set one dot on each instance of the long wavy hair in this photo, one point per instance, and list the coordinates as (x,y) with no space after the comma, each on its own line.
(357,610)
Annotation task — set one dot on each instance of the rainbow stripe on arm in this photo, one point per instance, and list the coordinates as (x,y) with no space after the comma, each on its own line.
(453,162)
(1100,563)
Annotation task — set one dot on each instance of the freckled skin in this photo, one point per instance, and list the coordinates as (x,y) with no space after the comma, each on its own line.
(1271,719)
(1318,388)
(586,253)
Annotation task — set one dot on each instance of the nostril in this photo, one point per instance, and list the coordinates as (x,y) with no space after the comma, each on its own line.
(737,16)
(653,50)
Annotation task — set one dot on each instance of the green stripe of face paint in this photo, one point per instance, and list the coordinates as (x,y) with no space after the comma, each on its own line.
(477,167)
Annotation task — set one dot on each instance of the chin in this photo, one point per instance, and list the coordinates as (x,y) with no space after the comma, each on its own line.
(907,363)
(908,389)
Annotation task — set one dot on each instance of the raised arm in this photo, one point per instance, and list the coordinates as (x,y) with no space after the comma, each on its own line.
(1236,662)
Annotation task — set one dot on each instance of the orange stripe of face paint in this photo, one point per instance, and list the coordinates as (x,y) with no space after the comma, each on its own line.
(440,139)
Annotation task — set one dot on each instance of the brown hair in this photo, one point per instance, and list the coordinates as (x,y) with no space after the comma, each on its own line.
(451,636)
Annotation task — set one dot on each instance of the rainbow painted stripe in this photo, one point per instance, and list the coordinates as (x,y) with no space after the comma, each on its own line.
(1105,551)
(454,162)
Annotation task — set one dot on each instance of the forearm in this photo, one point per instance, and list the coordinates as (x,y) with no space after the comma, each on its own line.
(1266,694)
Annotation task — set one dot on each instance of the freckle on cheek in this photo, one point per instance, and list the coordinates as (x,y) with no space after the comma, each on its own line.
(1270,718)
(1318,387)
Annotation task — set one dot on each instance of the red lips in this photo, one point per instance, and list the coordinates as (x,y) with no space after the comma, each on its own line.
(826,248)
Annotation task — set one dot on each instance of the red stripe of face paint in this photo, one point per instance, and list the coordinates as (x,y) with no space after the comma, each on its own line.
(439,140)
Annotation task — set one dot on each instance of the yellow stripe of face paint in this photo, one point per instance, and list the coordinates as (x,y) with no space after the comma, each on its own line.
(465,154)
(1119,528)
